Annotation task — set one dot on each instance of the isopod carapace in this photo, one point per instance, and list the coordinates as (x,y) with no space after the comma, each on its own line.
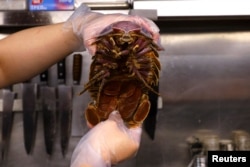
(124,68)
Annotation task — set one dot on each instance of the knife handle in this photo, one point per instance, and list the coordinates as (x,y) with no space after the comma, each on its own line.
(61,71)
(44,76)
(77,68)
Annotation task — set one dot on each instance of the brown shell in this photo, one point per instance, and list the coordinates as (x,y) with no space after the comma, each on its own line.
(124,68)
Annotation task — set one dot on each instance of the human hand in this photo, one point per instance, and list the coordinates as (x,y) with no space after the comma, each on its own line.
(108,143)
(87,25)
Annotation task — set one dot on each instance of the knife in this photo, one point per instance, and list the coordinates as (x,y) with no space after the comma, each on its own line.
(77,68)
(48,103)
(29,115)
(78,105)
(7,120)
(64,106)
(151,120)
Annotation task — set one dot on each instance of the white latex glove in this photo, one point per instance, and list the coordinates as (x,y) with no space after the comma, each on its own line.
(108,143)
(87,25)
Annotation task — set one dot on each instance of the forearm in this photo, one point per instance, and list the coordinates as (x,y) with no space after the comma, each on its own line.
(31,51)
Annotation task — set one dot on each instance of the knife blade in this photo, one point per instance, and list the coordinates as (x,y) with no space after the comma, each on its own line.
(48,103)
(29,115)
(78,105)
(64,106)
(151,120)
(7,120)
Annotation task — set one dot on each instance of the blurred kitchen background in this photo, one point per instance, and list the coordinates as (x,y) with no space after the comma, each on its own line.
(204,85)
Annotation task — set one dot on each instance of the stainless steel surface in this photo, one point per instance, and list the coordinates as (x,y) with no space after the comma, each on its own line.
(206,67)
(13,5)
(148,13)
(28,18)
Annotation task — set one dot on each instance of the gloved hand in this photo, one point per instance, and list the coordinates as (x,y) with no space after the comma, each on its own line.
(109,142)
(87,25)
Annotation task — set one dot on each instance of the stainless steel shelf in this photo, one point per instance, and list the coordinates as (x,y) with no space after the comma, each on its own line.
(194,8)
(35,18)
(28,18)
